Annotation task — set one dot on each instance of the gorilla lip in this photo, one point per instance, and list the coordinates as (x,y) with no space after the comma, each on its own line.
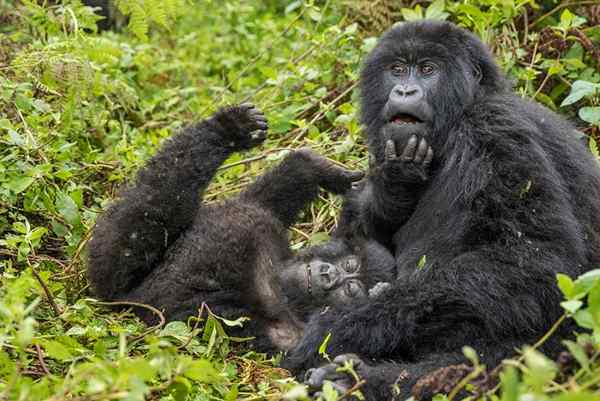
(308,279)
(403,118)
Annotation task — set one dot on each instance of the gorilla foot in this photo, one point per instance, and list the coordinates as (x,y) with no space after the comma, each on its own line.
(339,374)
(243,126)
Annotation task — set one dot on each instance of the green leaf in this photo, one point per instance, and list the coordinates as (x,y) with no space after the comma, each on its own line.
(203,371)
(19,184)
(323,346)
(67,208)
(422,262)
(471,355)
(509,380)
(590,114)
(571,306)
(565,284)
(56,350)
(436,10)
(578,353)
(579,90)
(412,15)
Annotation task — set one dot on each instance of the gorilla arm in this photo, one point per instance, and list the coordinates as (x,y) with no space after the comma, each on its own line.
(132,236)
(490,274)
(289,187)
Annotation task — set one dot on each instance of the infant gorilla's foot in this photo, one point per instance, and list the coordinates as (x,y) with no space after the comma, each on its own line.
(412,164)
(241,126)
(341,380)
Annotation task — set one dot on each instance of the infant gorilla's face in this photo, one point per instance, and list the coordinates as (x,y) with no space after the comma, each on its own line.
(323,282)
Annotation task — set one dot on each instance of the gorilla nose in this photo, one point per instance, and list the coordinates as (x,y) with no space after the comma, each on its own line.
(328,274)
(405,92)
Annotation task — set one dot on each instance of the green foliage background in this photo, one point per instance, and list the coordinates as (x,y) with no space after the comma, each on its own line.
(80,111)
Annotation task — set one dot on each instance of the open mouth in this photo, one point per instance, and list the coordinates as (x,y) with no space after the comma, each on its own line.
(405,119)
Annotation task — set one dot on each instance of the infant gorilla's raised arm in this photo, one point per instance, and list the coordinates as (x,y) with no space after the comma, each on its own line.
(159,245)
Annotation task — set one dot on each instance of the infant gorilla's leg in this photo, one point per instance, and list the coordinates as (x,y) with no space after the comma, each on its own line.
(288,188)
(131,238)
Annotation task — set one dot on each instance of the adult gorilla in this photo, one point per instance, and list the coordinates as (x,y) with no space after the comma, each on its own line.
(483,197)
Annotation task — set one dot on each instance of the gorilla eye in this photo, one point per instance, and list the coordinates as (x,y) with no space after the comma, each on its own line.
(399,69)
(427,69)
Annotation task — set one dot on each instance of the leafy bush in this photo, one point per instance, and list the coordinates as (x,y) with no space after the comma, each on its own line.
(80,111)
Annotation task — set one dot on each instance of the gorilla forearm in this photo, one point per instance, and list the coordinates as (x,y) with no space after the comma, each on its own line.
(293,184)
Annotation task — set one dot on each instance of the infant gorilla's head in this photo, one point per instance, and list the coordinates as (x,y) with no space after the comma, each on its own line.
(336,274)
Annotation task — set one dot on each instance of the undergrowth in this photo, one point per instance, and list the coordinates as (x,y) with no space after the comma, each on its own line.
(80,111)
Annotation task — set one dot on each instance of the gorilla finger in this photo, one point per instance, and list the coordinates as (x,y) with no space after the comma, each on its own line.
(409,151)
(421,151)
(341,359)
(428,158)
(247,106)
(341,388)
(355,176)
(390,150)
(258,136)
(262,124)
(319,375)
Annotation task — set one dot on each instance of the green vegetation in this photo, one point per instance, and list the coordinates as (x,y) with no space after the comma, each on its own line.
(80,111)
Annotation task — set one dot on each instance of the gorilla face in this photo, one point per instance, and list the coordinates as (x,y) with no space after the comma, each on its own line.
(336,274)
(422,86)
(325,282)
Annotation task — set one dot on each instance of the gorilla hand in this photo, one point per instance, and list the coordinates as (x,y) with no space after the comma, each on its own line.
(412,165)
(242,126)
(341,381)
(330,177)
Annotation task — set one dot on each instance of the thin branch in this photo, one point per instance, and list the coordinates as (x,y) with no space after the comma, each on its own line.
(151,308)
(352,389)
(40,357)
(560,7)
(49,295)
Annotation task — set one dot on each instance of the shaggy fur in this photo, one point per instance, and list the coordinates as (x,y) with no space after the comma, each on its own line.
(160,246)
(511,200)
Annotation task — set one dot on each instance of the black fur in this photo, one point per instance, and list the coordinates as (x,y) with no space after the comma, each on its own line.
(159,245)
(511,199)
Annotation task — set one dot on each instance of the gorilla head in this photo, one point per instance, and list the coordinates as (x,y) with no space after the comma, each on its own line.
(335,274)
(423,86)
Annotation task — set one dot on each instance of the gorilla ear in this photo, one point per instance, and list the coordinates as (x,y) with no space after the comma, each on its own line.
(477,73)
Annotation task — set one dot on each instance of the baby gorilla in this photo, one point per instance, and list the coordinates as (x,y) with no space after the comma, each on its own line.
(160,246)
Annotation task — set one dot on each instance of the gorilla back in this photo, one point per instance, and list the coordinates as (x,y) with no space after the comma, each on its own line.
(494,192)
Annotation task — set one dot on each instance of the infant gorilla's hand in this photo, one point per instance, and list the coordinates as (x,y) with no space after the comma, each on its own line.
(342,382)
(242,126)
(330,177)
(410,166)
